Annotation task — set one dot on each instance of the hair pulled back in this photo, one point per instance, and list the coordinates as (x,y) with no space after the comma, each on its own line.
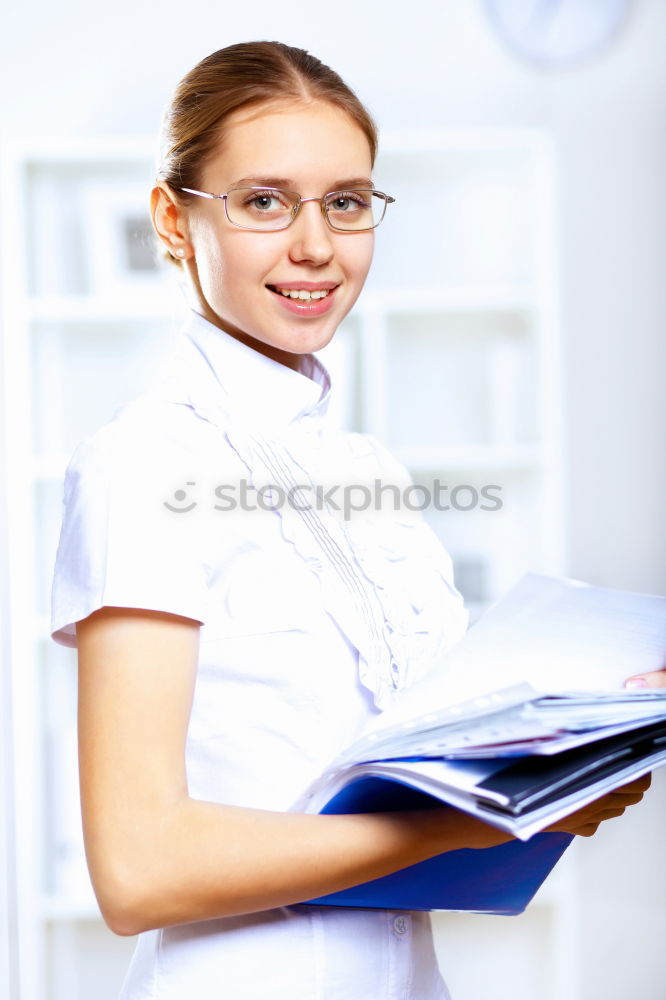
(239,76)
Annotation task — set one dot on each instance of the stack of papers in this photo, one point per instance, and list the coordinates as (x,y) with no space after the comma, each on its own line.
(524,721)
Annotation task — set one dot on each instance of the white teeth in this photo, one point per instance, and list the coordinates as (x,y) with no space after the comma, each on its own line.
(300,293)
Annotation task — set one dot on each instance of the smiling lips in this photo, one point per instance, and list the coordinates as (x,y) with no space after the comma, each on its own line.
(305,296)
(306,291)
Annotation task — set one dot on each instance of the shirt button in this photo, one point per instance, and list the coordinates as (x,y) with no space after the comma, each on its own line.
(400,925)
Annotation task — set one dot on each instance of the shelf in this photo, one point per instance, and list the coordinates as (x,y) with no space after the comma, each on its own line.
(80,151)
(473,457)
(462,298)
(152,304)
(405,143)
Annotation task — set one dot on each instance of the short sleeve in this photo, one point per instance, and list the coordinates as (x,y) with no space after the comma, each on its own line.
(122,543)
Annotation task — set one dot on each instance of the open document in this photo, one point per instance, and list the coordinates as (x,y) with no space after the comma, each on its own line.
(524,721)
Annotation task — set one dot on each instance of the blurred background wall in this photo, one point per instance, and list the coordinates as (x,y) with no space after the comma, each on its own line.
(71,70)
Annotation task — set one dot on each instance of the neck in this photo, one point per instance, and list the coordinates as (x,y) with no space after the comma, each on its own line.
(199,304)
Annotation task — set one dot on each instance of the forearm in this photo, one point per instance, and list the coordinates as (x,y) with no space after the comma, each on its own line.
(209,860)
(158,857)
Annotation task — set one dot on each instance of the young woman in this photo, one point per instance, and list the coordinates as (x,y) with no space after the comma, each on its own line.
(235,631)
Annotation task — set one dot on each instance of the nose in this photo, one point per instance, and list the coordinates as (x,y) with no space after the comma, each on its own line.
(310,235)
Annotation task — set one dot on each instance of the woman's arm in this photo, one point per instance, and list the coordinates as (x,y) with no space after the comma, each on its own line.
(158,857)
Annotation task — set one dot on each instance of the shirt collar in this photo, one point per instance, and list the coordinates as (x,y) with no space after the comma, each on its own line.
(220,376)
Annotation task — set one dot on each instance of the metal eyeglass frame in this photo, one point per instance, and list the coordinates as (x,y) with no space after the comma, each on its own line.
(388,200)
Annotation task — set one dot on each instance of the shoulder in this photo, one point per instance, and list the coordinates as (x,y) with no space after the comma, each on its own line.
(145,435)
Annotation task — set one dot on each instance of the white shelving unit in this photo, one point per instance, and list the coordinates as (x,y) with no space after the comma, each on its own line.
(450,358)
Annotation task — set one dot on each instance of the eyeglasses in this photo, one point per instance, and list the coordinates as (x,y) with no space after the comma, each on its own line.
(269,209)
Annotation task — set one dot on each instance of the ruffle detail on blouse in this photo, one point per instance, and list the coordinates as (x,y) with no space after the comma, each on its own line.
(423,612)
(324,549)
(410,571)
(385,578)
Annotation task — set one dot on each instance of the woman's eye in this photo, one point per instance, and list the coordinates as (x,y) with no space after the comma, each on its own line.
(265,202)
(343,204)
(350,201)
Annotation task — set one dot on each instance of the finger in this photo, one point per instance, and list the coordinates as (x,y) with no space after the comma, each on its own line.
(637,785)
(584,822)
(628,799)
(587,818)
(589,829)
(616,800)
(586,831)
(607,808)
(611,813)
(633,791)
(653,679)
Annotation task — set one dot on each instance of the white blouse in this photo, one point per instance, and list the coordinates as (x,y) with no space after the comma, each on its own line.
(224,494)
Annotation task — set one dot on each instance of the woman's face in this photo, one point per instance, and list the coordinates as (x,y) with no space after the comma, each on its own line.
(312,149)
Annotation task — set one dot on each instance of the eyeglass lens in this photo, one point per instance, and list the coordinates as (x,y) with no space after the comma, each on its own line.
(272,208)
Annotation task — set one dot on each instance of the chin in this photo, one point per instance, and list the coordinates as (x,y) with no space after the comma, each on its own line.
(304,339)
(312,344)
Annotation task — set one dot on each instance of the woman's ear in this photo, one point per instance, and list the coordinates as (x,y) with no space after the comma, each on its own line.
(169,222)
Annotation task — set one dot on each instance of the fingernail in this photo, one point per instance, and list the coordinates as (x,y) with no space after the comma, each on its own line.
(635,683)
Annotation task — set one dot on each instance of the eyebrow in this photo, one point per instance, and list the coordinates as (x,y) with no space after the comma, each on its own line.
(289,184)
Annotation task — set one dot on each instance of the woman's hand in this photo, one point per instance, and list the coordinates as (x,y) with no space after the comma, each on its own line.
(458,829)
(585,822)
(654,679)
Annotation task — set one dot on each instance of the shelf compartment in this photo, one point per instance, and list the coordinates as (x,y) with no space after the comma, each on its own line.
(472,211)
(476,376)
(82,374)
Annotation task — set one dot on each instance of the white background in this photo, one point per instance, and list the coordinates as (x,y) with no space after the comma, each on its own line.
(74,69)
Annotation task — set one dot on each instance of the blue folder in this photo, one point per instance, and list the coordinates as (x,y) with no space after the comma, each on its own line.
(500,879)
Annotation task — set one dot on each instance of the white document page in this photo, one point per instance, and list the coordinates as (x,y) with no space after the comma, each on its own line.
(555,635)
